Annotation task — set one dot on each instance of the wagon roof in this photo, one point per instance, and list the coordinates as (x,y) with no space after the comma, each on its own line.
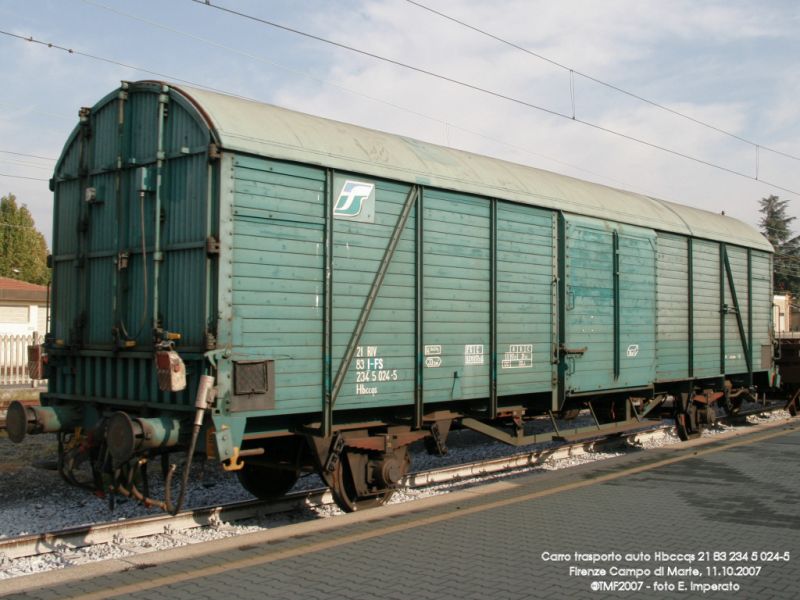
(267,130)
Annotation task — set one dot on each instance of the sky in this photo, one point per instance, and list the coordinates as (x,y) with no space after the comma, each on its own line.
(729,64)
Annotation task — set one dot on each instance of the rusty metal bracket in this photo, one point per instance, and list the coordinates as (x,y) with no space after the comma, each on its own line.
(708,397)
(234,463)
(335,453)
(439,438)
(503,436)
(647,407)
(212,246)
(564,351)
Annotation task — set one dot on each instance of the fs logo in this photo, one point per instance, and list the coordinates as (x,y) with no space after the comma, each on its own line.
(356,202)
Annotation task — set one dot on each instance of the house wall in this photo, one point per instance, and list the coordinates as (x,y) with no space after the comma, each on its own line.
(22,318)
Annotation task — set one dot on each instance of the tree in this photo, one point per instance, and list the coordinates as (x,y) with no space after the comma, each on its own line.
(775,227)
(23,251)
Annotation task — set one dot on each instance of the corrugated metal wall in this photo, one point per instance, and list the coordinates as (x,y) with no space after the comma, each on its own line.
(277,286)
(735,358)
(526,271)
(90,235)
(457,295)
(706,269)
(762,306)
(278,274)
(672,301)
(590,304)
(383,370)
(278,289)
(637,264)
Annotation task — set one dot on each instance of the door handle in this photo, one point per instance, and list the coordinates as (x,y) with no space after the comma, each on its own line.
(570,365)
(570,300)
(564,351)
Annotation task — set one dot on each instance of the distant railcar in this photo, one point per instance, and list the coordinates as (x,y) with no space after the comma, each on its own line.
(288,293)
(788,363)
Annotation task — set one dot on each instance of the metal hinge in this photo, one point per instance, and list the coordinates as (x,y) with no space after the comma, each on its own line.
(213,151)
(122,260)
(210,341)
(212,246)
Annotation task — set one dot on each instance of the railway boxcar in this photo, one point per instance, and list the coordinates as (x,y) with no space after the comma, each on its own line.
(288,293)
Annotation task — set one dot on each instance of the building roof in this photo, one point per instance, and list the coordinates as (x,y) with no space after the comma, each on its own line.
(22,291)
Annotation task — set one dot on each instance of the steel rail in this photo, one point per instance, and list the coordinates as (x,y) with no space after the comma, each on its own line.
(209,516)
(99,533)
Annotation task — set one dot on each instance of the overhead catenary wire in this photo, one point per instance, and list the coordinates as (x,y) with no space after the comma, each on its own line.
(26,154)
(24,164)
(111,61)
(31,39)
(611,86)
(133,67)
(95,57)
(237,95)
(256,57)
(445,123)
(480,89)
(24,177)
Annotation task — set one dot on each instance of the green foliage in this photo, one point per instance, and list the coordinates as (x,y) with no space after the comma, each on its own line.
(23,251)
(775,225)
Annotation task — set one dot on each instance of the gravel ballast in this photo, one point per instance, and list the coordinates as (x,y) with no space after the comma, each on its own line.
(34,499)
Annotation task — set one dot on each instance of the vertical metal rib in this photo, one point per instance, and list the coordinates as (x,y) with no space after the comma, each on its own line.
(419,390)
(327,328)
(615,271)
(690,300)
(493,309)
(722,306)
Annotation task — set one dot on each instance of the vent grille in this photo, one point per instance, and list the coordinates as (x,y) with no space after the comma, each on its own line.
(253,386)
(250,378)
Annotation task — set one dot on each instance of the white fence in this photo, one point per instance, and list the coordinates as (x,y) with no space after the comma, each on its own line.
(14,360)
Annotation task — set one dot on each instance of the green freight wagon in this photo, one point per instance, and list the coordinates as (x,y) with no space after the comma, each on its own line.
(288,293)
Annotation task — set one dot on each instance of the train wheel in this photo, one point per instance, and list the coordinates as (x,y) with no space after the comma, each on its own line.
(359,482)
(686,424)
(266,483)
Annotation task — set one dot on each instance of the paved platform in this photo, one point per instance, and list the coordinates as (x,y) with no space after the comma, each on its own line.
(687,518)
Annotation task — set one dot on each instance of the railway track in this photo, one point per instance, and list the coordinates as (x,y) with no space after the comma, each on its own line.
(99,533)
